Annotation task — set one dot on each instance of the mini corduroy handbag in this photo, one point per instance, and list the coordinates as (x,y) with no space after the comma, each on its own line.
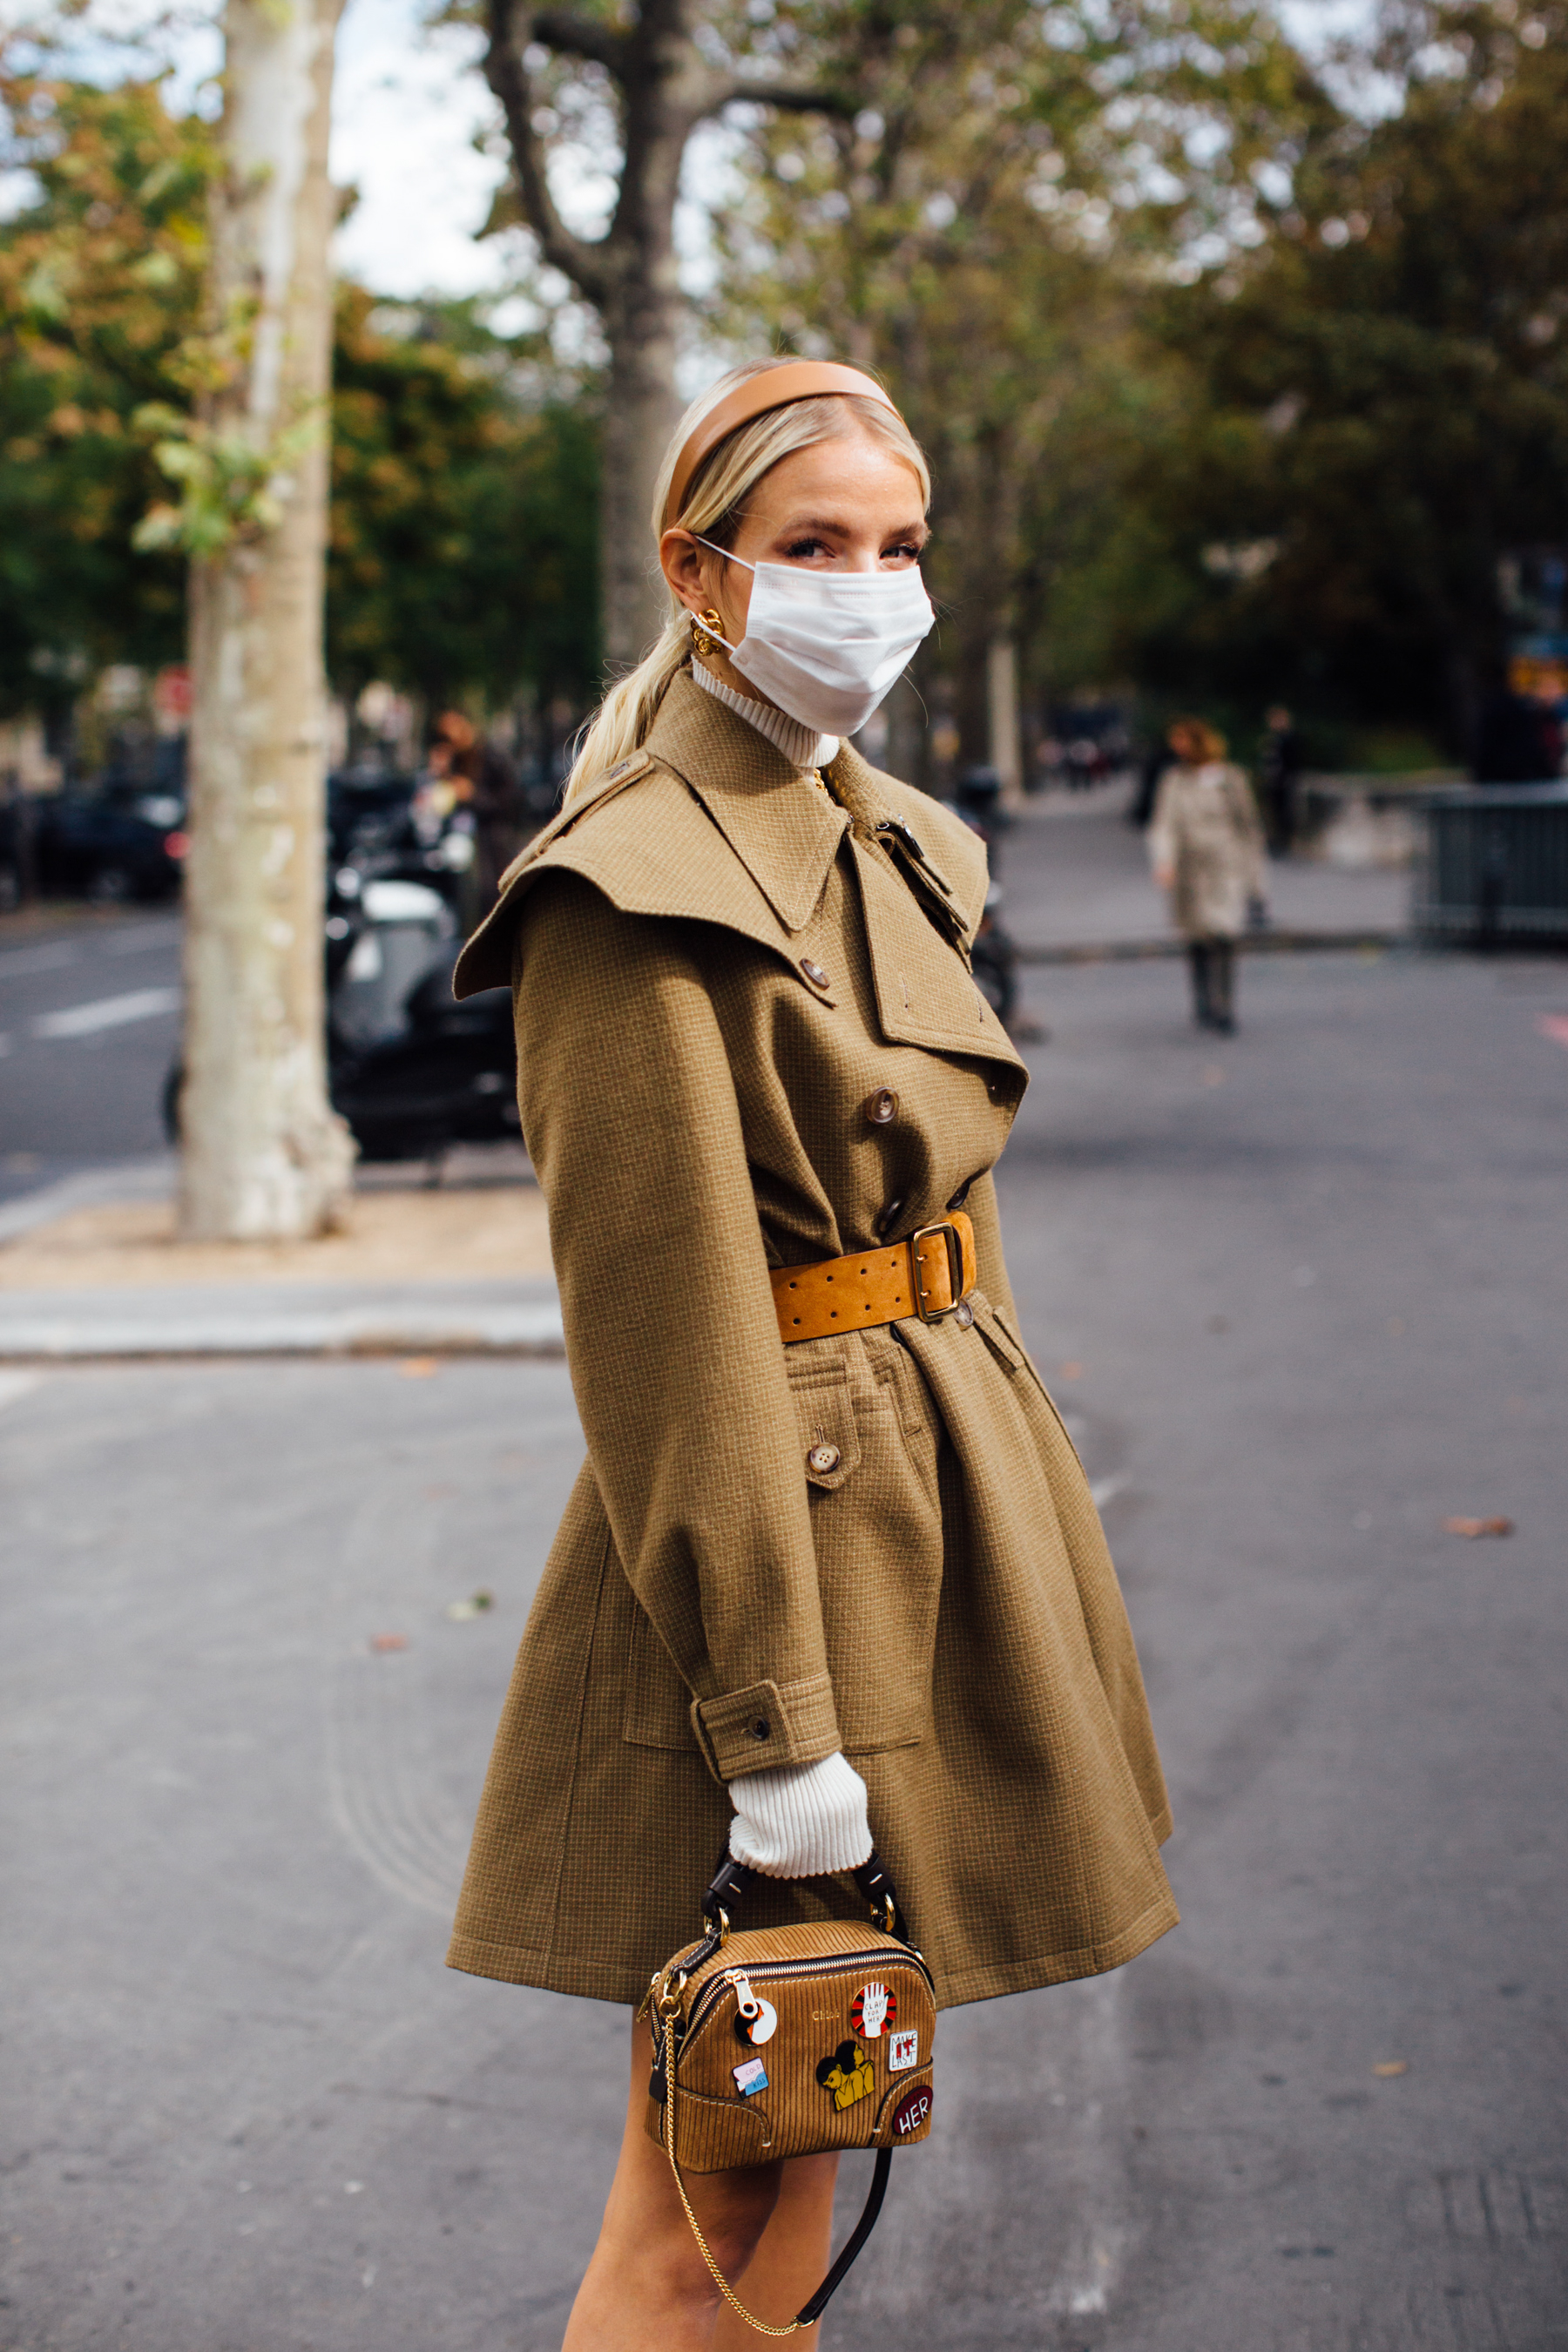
(779,2042)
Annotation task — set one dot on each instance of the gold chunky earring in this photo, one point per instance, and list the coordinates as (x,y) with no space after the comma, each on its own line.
(701,625)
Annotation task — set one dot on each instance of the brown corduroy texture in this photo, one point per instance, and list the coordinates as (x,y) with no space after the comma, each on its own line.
(810,1975)
(715,966)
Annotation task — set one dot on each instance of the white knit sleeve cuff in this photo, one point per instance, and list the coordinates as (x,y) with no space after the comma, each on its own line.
(802,1821)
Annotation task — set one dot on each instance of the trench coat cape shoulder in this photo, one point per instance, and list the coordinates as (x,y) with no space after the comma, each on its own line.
(720,973)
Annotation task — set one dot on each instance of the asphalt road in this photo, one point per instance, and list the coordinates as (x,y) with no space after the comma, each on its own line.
(1304,1295)
(88,1026)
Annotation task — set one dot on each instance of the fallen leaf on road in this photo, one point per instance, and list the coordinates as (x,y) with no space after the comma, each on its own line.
(1212,1077)
(475,1606)
(1393,2066)
(417,1368)
(1073,1371)
(1553,1025)
(381,1642)
(1472,1527)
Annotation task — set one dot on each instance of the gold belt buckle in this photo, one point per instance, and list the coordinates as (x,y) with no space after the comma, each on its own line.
(955,1240)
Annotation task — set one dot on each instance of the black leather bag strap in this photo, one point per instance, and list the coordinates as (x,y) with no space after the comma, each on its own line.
(732,1881)
(817,2303)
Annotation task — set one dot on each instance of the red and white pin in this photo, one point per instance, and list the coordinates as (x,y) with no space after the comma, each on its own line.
(874,2011)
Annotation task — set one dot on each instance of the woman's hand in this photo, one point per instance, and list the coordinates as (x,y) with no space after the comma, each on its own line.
(802,1821)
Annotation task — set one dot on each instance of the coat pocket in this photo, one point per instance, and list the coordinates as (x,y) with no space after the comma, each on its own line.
(829,1436)
(1010,1351)
(876,1525)
(658,1709)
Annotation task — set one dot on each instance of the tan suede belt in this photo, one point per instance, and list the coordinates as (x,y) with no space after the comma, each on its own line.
(930,1275)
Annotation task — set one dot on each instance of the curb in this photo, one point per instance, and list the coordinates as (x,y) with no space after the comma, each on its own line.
(54,1329)
(1250,943)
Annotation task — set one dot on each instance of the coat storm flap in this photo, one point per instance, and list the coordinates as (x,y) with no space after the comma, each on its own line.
(715,967)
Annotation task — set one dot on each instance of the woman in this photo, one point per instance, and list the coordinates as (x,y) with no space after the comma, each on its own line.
(1205,845)
(805,1587)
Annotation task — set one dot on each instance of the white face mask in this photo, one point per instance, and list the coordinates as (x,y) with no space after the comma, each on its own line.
(829,646)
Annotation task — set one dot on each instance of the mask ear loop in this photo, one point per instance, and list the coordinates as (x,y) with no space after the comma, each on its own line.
(705,631)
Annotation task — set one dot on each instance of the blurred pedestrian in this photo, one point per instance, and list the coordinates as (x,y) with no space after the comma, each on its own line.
(1153,766)
(1205,845)
(488,784)
(1281,766)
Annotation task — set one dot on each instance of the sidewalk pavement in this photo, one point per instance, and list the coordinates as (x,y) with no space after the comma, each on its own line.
(90,1268)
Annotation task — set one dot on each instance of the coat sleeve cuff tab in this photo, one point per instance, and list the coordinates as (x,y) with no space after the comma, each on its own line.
(766,1725)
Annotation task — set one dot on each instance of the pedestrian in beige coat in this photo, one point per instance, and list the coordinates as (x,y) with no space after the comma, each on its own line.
(807,1587)
(1206,847)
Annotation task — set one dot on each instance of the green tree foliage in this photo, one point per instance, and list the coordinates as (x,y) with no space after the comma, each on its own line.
(99,283)
(462,554)
(464,471)
(985,232)
(1375,407)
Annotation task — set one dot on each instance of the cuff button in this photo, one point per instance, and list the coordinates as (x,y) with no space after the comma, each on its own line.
(759,1728)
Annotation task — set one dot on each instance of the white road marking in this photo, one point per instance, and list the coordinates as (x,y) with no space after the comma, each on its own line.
(16,1384)
(51,958)
(1105,1490)
(107,1012)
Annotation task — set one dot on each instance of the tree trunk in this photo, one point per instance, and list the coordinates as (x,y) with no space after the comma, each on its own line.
(654,58)
(1007,737)
(265,1157)
(640,325)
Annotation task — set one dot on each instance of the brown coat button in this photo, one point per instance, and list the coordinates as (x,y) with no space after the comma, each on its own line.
(963,1313)
(891,1213)
(823,1458)
(881,1106)
(759,1728)
(813,972)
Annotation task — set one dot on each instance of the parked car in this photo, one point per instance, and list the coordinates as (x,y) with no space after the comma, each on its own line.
(121,840)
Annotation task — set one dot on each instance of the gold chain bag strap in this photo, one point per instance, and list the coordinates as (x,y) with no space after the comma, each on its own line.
(779,2042)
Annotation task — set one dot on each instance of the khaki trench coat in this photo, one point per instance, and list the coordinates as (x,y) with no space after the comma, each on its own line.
(1206,825)
(715,964)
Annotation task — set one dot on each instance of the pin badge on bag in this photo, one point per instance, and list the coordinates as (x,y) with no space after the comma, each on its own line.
(903,2051)
(912,2110)
(849,2073)
(874,2011)
(750,2076)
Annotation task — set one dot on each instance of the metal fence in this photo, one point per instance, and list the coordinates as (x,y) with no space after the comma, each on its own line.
(1493,864)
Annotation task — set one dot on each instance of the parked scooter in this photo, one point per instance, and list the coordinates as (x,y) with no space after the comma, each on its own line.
(411,1071)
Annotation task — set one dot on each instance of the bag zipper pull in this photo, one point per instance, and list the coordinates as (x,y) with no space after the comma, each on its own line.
(746,2000)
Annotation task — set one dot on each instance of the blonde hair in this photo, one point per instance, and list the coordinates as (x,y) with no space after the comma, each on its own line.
(713,505)
(1196,743)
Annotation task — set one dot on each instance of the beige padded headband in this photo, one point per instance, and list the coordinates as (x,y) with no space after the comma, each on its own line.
(770,388)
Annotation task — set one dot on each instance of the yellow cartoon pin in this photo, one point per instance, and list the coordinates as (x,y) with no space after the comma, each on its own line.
(849,2073)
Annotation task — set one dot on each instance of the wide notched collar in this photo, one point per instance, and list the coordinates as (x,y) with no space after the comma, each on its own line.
(649,834)
(784,831)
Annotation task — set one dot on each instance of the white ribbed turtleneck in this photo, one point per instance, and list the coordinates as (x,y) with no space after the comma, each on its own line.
(802,746)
